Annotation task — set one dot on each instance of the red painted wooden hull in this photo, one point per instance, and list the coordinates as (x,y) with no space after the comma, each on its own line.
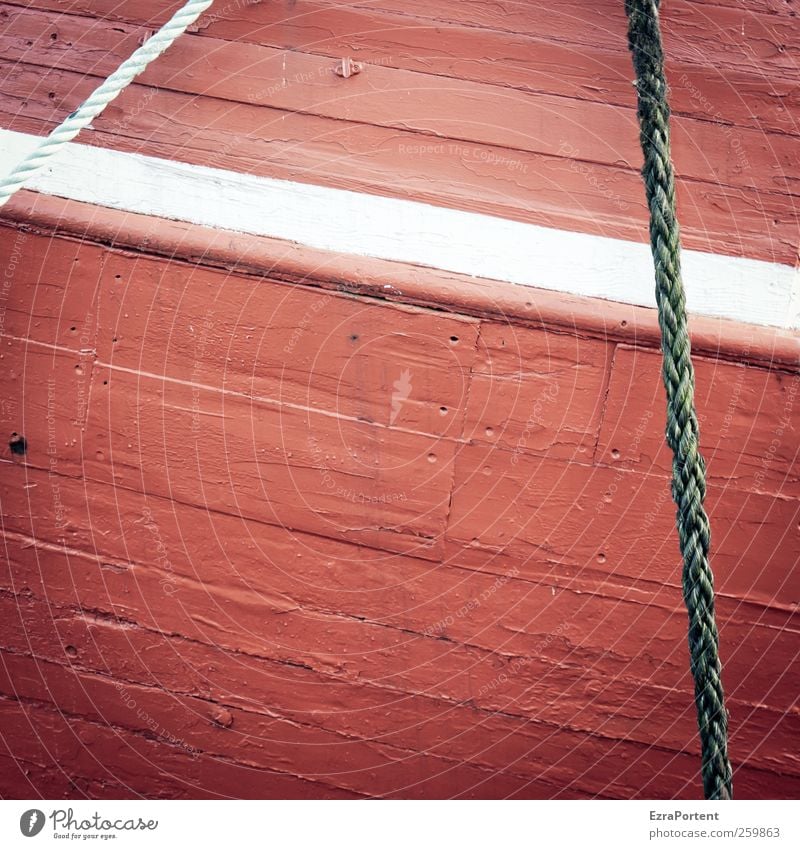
(234,565)
(278,534)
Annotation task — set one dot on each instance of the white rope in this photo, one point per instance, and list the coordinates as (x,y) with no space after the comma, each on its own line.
(102,96)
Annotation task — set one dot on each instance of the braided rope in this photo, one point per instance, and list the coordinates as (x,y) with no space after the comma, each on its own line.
(688,466)
(102,96)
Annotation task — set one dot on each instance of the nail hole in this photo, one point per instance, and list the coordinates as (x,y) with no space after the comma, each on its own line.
(71,651)
(490,431)
(623,323)
(431,458)
(354,337)
(454,340)
(601,558)
(73,328)
(443,411)
(18,444)
(615,453)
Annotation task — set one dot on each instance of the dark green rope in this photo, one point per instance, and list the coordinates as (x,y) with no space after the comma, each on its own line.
(688,467)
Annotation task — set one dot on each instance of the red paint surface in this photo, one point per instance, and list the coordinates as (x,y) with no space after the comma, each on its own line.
(392,282)
(236,566)
(271,539)
(253,89)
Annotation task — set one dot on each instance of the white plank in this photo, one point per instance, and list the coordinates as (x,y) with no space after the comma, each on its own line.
(352,223)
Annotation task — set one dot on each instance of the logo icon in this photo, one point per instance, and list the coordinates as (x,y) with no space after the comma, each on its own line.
(402,390)
(31,822)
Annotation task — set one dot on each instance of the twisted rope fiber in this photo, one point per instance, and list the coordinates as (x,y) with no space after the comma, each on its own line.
(688,466)
(102,96)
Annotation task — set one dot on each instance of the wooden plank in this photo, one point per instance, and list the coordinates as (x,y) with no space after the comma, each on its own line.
(50,283)
(539,752)
(686,24)
(45,394)
(256,338)
(257,740)
(368,360)
(286,465)
(394,98)
(271,625)
(747,418)
(402,283)
(579,516)
(388,24)
(405,231)
(553,191)
(389,39)
(559,617)
(145,767)
(529,749)
(22,779)
(537,391)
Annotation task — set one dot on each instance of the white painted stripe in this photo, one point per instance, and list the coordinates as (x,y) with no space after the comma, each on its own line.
(406,231)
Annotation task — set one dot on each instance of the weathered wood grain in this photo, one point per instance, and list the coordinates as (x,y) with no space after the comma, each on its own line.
(749,419)
(529,749)
(549,190)
(435,106)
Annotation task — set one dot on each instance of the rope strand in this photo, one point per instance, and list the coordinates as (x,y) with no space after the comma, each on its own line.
(682,431)
(101,97)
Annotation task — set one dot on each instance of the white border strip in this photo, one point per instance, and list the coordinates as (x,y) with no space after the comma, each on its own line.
(407,231)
